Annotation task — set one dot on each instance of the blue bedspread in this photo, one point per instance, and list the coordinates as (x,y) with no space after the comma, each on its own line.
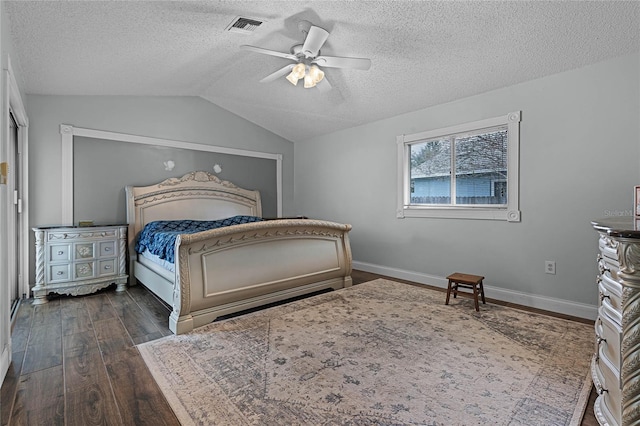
(159,237)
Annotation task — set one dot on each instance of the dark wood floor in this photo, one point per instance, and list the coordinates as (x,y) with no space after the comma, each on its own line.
(75,361)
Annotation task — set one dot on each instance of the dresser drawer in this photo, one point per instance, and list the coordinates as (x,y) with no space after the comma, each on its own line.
(59,253)
(59,272)
(608,337)
(607,386)
(608,266)
(106,267)
(608,247)
(610,296)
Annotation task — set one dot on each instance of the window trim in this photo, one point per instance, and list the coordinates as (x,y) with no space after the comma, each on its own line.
(510,212)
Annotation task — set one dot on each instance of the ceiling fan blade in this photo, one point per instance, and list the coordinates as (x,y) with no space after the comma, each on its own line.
(338,62)
(276,75)
(269,52)
(323,85)
(314,41)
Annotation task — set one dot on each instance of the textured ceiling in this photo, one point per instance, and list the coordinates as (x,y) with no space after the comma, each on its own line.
(423,52)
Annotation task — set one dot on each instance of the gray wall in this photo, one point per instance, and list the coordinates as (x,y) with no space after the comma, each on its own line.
(102,169)
(579,157)
(188,119)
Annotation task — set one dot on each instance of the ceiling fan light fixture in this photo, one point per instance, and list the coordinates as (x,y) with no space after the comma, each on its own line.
(316,74)
(292,78)
(298,70)
(309,82)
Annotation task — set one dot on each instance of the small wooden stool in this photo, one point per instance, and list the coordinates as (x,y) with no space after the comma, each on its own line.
(466,281)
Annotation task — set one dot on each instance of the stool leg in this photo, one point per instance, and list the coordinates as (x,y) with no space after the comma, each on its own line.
(475,297)
(448,293)
(482,292)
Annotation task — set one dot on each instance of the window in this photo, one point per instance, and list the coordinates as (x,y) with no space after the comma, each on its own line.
(467,171)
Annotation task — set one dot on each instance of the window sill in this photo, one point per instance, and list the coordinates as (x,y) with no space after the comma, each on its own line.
(460,213)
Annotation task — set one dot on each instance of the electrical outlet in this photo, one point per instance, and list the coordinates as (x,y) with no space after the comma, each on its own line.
(550,267)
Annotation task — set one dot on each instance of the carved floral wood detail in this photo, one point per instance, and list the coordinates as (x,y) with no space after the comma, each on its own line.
(76,235)
(269,229)
(630,370)
(182,288)
(155,197)
(197,176)
(39,275)
(88,288)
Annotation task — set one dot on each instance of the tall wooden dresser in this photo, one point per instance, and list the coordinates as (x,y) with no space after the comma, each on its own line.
(615,367)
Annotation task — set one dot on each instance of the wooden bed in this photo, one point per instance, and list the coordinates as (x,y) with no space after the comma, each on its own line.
(230,269)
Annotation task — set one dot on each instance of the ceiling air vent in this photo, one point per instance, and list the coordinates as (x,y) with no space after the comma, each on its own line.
(244,25)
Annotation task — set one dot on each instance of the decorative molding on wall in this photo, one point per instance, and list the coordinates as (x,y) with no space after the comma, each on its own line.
(67,132)
(561,306)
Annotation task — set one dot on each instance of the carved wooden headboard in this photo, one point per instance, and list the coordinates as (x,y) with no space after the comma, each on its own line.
(197,195)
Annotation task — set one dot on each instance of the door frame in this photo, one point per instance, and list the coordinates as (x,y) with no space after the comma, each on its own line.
(16,225)
(13,103)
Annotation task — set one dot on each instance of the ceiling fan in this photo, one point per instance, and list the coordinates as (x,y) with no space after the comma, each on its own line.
(307,59)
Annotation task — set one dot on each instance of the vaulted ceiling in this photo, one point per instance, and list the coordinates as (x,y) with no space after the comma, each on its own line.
(423,53)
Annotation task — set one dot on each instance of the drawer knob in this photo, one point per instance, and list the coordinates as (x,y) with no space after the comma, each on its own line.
(60,252)
(60,273)
(600,389)
(103,233)
(107,249)
(107,266)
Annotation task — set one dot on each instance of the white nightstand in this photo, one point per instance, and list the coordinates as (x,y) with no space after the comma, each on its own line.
(79,260)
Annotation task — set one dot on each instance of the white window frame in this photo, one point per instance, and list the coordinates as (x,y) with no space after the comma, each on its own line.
(510,212)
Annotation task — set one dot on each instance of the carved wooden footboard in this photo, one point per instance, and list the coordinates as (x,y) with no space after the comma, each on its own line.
(230,269)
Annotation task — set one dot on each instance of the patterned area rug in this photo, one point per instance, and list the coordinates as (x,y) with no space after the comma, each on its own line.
(378,353)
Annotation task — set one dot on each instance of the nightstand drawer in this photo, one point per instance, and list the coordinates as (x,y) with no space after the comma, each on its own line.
(107,248)
(59,253)
(106,267)
(59,272)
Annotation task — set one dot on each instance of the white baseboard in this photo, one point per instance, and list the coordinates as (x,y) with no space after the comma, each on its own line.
(5,360)
(561,306)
